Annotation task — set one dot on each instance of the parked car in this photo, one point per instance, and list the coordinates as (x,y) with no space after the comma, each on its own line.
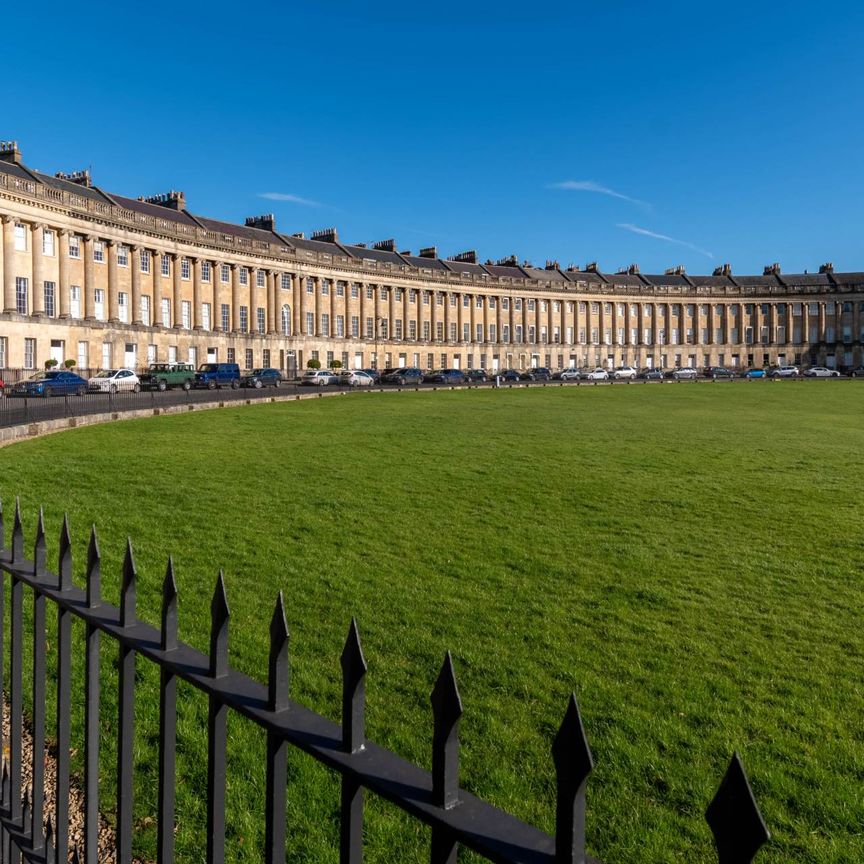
(113,381)
(783,372)
(755,373)
(356,378)
(857,372)
(540,373)
(509,376)
(2,388)
(717,372)
(598,374)
(568,375)
(683,373)
(406,375)
(624,373)
(821,372)
(51,383)
(318,378)
(446,376)
(475,375)
(162,376)
(375,374)
(213,375)
(259,378)
(651,374)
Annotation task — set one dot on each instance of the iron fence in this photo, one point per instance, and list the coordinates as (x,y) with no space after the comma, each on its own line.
(456,818)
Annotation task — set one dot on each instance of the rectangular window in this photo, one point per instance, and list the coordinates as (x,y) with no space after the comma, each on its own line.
(172,353)
(355,291)
(224,273)
(439,331)
(248,358)
(145,309)
(493,332)
(397,333)
(286,282)
(340,326)
(259,278)
(382,292)
(83,355)
(261,320)
(265,358)
(412,331)
(185,269)
(166,265)
(427,331)
(29,353)
(186,314)
(505,333)
(325,324)
(166,312)
(151,353)
(50,290)
(478,332)
(355,326)
(225,313)
(466,332)
(532,334)
(453,333)
(370,292)
(22,305)
(123,306)
(370,328)
(99,304)
(325,287)
(205,271)
(123,256)
(47,242)
(144,259)
(310,323)
(106,355)
(244,276)
(231,355)
(310,285)
(340,289)
(74,246)
(4,351)
(98,251)
(205,316)
(505,304)
(385,328)
(519,333)
(192,356)
(20,239)
(244,319)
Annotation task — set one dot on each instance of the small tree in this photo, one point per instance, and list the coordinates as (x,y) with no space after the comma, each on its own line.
(335,364)
(69,363)
(313,364)
(50,364)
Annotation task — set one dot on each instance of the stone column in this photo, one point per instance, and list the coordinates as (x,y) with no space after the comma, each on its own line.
(176,317)
(156,299)
(537,322)
(196,294)
(460,317)
(274,314)
(447,315)
(38,289)
(7,228)
(216,310)
(333,308)
(472,318)
(63,271)
(316,324)
(235,298)
(511,314)
(113,288)
(253,299)
(391,307)
(135,265)
(362,292)
(89,282)
(302,304)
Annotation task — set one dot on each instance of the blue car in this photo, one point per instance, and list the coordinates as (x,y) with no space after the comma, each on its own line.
(755,373)
(51,383)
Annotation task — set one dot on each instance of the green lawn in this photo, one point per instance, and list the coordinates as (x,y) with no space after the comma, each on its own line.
(687,559)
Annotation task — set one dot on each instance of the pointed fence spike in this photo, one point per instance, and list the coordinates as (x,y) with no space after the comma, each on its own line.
(573,763)
(353,691)
(219,616)
(17,535)
(49,842)
(94,570)
(76,855)
(64,564)
(279,678)
(734,818)
(169,608)
(127,590)
(39,547)
(446,710)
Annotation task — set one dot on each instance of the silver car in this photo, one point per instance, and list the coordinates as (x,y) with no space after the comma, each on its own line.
(821,372)
(598,374)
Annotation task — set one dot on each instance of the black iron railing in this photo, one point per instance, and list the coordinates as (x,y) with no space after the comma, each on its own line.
(456,817)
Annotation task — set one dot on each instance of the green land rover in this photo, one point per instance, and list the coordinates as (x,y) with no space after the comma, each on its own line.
(163,376)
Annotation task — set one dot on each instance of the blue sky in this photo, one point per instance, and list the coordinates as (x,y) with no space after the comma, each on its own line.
(660,134)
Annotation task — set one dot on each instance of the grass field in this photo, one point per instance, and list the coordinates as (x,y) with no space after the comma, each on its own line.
(687,559)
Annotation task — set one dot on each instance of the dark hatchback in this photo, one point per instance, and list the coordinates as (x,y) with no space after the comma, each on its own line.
(50,383)
(475,375)
(407,375)
(259,378)
(446,376)
(509,375)
(651,375)
(541,373)
(717,372)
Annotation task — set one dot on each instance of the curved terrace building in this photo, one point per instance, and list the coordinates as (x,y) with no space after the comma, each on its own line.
(109,281)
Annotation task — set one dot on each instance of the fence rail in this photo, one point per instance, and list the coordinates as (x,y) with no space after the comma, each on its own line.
(436,799)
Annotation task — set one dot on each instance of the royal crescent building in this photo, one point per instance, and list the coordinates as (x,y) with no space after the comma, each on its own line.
(109,281)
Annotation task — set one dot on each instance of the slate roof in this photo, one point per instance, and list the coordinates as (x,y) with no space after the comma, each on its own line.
(475,270)
(374,254)
(505,271)
(591,277)
(627,280)
(258,235)
(426,263)
(769,281)
(154,210)
(545,275)
(822,280)
(91,192)
(676,280)
(712,281)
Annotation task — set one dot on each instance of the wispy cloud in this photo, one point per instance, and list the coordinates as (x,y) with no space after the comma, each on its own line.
(293,199)
(591,186)
(635,229)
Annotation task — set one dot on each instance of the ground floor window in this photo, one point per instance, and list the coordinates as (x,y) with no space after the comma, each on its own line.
(4,351)
(29,353)
(231,356)
(83,352)
(106,355)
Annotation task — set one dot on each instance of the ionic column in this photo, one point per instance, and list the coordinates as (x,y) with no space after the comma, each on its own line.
(8,246)
(316,324)
(460,317)
(447,315)
(273,303)
(472,317)
(333,307)
(216,310)
(37,307)
(511,314)
(135,264)
(362,292)
(805,323)
(391,305)
(63,274)
(196,294)
(235,298)
(89,283)
(301,305)
(176,319)
(253,302)
(156,299)
(537,321)
(113,289)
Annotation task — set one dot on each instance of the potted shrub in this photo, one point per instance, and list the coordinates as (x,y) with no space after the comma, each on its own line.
(313,364)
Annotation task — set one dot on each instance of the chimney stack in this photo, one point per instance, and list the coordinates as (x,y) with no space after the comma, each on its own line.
(469,257)
(591,267)
(326,235)
(266,222)
(429,252)
(385,245)
(772,270)
(172,200)
(725,270)
(9,152)
(827,268)
(82,178)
